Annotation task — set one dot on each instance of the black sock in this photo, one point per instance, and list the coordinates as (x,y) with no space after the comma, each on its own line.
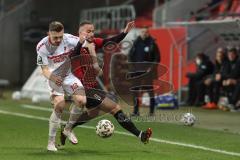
(84,117)
(126,123)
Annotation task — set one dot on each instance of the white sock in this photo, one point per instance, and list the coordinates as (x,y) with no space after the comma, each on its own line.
(74,115)
(54,124)
(140,134)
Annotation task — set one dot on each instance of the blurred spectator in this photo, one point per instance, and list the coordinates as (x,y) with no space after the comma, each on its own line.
(237,10)
(231,84)
(204,68)
(225,7)
(213,83)
(144,50)
(234,6)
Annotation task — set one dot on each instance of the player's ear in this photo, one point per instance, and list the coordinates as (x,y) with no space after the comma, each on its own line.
(48,33)
(79,30)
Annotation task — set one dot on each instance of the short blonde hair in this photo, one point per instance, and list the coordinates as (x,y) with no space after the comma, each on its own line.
(56,26)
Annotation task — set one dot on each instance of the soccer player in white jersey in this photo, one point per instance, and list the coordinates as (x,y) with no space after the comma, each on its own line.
(53,57)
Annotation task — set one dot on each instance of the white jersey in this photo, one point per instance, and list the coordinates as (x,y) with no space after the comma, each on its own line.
(58,61)
(56,57)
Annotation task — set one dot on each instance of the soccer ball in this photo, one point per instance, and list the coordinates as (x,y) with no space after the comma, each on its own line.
(104,128)
(16,95)
(188,119)
(35,99)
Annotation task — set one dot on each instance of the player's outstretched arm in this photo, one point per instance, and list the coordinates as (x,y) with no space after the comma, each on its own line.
(129,27)
(118,38)
(48,74)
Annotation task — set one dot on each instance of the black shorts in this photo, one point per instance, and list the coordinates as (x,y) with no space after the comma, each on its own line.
(95,97)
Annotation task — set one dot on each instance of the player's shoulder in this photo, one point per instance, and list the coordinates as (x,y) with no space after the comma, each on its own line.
(96,39)
(41,46)
(98,42)
(70,39)
(70,36)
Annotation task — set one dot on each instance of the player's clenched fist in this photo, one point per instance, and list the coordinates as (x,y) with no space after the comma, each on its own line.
(57,80)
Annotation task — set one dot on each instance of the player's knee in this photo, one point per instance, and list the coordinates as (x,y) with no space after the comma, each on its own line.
(59,104)
(60,107)
(115,109)
(80,100)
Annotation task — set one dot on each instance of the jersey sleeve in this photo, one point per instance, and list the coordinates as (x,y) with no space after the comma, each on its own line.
(117,38)
(98,42)
(42,58)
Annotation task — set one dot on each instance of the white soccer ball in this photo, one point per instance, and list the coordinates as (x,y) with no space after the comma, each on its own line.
(188,119)
(16,95)
(104,128)
(35,99)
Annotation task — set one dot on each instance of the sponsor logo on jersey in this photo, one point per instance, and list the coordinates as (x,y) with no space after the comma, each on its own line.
(59,58)
(97,97)
(39,60)
(74,86)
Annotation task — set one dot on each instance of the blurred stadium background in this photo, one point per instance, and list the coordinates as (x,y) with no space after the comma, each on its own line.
(181,28)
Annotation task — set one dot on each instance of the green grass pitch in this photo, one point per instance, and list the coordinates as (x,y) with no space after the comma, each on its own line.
(24,133)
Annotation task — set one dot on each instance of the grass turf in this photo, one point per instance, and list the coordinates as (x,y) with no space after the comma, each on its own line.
(22,138)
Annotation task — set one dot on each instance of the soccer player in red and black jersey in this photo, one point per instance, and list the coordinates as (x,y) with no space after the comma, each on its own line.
(86,68)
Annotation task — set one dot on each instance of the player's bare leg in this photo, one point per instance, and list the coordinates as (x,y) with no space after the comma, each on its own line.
(113,108)
(55,120)
(79,99)
(83,118)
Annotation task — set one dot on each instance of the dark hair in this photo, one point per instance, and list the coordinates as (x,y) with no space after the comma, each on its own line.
(56,26)
(202,56)
(234,50)
(223,58)
(84,23)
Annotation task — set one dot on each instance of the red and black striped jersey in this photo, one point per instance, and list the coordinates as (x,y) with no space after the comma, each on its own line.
(82,61)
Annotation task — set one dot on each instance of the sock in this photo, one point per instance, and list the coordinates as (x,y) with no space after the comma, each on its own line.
(83,118)
(54,123)
(139,136)
(73,118)
(126,123)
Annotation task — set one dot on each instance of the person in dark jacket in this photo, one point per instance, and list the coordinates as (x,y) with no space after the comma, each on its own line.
(213,83)
(231,84)
(196,88)
(144,50)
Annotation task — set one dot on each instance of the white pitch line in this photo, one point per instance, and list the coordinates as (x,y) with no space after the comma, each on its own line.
(23,115)
(33,107)
(37,108)
(124,133)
